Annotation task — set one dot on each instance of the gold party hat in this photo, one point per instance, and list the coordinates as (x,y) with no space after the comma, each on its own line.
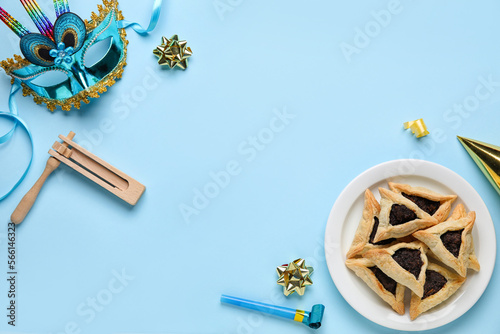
(487,157)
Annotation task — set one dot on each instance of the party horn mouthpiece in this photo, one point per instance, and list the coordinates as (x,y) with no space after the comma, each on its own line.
(311,319)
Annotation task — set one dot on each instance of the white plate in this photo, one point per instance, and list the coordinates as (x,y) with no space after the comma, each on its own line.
(344,219)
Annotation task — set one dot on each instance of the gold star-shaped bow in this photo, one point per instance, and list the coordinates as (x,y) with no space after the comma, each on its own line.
(294,277)
(173,52)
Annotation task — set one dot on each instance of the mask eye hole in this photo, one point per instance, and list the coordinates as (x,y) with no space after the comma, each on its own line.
(97,52)
(49,79)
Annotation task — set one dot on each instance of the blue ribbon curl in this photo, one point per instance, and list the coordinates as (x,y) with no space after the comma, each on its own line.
(155,16)
(13,115)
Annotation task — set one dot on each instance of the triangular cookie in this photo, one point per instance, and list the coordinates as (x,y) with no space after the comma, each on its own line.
(399,216)
(458,213)
(436,205)
(440,284)
(451,242)
(389,290)
(404,262)
(363,239)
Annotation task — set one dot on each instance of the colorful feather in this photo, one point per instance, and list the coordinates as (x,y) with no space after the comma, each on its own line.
(41,21)
(13,24)
(61,7)
(36,13)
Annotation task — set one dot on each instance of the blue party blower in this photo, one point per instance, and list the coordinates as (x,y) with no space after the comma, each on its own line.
(311,319)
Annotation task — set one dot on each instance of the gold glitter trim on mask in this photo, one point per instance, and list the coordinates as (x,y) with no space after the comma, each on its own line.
(109,80)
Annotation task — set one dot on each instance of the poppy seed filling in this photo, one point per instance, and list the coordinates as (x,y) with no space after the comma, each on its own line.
(452,240)
(423,203)
(434,282)
(388,283)
(374,232)
(410,260)
(400,214)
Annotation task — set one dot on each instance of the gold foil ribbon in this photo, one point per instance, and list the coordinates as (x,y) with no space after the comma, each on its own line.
(417,127)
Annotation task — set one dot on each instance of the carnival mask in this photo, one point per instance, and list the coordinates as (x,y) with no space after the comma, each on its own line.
(64,46)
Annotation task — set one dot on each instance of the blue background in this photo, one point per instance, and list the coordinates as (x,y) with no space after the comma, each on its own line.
(170,129)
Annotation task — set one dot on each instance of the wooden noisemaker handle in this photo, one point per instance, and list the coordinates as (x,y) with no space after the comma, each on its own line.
(28,200)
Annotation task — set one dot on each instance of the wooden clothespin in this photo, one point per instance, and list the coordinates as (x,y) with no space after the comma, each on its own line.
(87,164)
